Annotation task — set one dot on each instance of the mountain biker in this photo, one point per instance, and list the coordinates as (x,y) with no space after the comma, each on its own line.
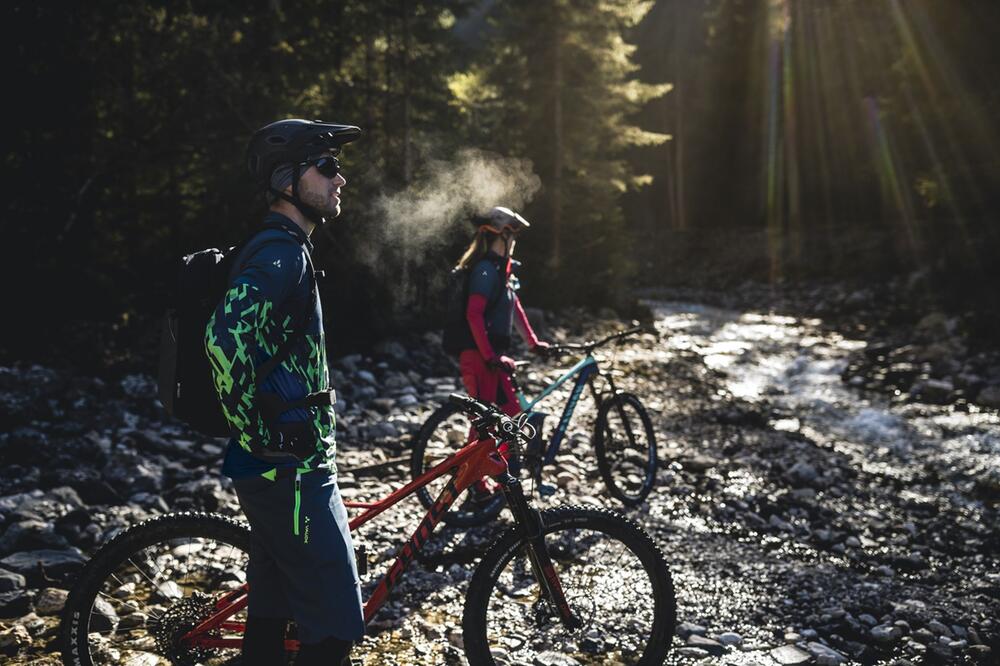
(492,310)
(281,457)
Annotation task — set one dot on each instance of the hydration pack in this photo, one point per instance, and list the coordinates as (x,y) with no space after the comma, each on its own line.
(456,336)
(186,385)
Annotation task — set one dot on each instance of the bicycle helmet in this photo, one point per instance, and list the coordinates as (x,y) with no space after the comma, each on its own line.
(500,219)
(293,142)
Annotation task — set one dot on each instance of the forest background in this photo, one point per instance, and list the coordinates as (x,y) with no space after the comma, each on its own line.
(676,142)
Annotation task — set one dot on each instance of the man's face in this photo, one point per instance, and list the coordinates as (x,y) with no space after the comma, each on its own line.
(321,192)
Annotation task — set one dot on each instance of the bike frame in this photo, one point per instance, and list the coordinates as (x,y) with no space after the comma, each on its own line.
(467,466)
(584,371)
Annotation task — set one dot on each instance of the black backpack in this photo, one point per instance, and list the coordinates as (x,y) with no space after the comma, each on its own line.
(457,336)
(186,386)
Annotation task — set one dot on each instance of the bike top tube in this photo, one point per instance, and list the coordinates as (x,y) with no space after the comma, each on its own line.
(469,464)
(587,348)
(527,405)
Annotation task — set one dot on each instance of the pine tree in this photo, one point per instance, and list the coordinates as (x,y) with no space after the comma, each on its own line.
(558,86)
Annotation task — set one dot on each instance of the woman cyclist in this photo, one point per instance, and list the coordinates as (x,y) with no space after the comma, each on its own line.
(492,310)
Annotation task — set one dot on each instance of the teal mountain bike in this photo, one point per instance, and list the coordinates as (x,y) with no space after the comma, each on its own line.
(623,438)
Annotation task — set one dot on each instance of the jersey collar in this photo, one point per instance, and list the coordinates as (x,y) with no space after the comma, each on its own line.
(273,219)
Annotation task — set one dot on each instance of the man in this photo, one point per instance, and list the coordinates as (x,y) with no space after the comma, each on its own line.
(266,345)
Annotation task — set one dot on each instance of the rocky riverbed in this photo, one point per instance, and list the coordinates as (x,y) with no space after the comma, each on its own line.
(813,506)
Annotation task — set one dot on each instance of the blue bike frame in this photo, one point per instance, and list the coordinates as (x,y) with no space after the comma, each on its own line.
(583,370)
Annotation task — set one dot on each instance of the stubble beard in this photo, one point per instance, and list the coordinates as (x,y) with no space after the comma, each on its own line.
(320,202)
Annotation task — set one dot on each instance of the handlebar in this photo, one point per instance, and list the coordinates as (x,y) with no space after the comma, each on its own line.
(490,421)
(588,347)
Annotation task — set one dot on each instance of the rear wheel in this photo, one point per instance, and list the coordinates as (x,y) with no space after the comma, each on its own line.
(149,586)
(615,580)
(626,448)
(442,434)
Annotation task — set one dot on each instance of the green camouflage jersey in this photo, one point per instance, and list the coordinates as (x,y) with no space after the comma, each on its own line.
(270,289)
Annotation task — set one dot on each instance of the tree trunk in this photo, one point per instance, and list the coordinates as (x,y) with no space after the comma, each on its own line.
(407,154)
(557,141)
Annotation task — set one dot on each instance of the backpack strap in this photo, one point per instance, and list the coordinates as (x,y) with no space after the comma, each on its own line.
(494,297)
(302,320)
(299,326)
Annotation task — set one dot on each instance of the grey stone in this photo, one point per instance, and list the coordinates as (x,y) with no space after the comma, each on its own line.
(50,601)
(825,656)
(103,616)
(366,377)
(989,396)
(712,647)
(554,659)
(939,628)
(886,633)
(730,638)
(14,604)
(10,581)
(13,640)
(54,562)
(802,474)
(30,535)
(685,629)
(789,655)
(692,652)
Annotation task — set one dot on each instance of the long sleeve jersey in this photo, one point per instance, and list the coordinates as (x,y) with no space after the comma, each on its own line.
(270,288)
(491,326)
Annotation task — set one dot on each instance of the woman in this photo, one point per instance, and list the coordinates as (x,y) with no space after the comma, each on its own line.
(492,309)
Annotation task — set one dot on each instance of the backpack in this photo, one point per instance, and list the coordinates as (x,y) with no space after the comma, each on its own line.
(186,386)
(457,336)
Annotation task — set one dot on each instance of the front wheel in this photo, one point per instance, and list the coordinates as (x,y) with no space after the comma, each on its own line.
(626,448)
(149,586)
(615,580)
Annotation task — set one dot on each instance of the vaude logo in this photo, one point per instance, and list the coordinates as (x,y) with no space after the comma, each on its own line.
(277,263)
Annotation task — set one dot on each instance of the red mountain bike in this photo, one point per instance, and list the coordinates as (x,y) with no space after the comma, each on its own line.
(581,582)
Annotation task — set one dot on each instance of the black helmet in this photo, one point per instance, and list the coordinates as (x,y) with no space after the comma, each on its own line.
(293,141)
(499,219)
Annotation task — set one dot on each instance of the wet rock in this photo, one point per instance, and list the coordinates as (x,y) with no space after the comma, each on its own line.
(10,581)
(51,562)
(383,405)
(30,535)
(693,652)
(825,656)
(706,644)
(103,616)
(939,628)
(14,640)
(685,629)
(554,659)
(50,601)
(801,474)
(934,391)
(730,638)
(789,655)
(14,604)
(989,396)
(885,633)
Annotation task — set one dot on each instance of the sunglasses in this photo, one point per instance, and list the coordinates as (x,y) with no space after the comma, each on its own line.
(327,166)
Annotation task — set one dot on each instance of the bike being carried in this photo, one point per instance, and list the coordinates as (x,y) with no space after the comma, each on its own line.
(585,585)
(623,438)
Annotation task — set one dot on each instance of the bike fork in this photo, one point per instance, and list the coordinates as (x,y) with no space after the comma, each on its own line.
(530,521)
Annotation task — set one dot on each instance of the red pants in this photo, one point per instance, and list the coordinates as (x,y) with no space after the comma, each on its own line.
(487,384)
(490,385)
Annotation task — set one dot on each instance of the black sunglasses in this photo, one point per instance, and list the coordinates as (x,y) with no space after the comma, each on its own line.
(327,166)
